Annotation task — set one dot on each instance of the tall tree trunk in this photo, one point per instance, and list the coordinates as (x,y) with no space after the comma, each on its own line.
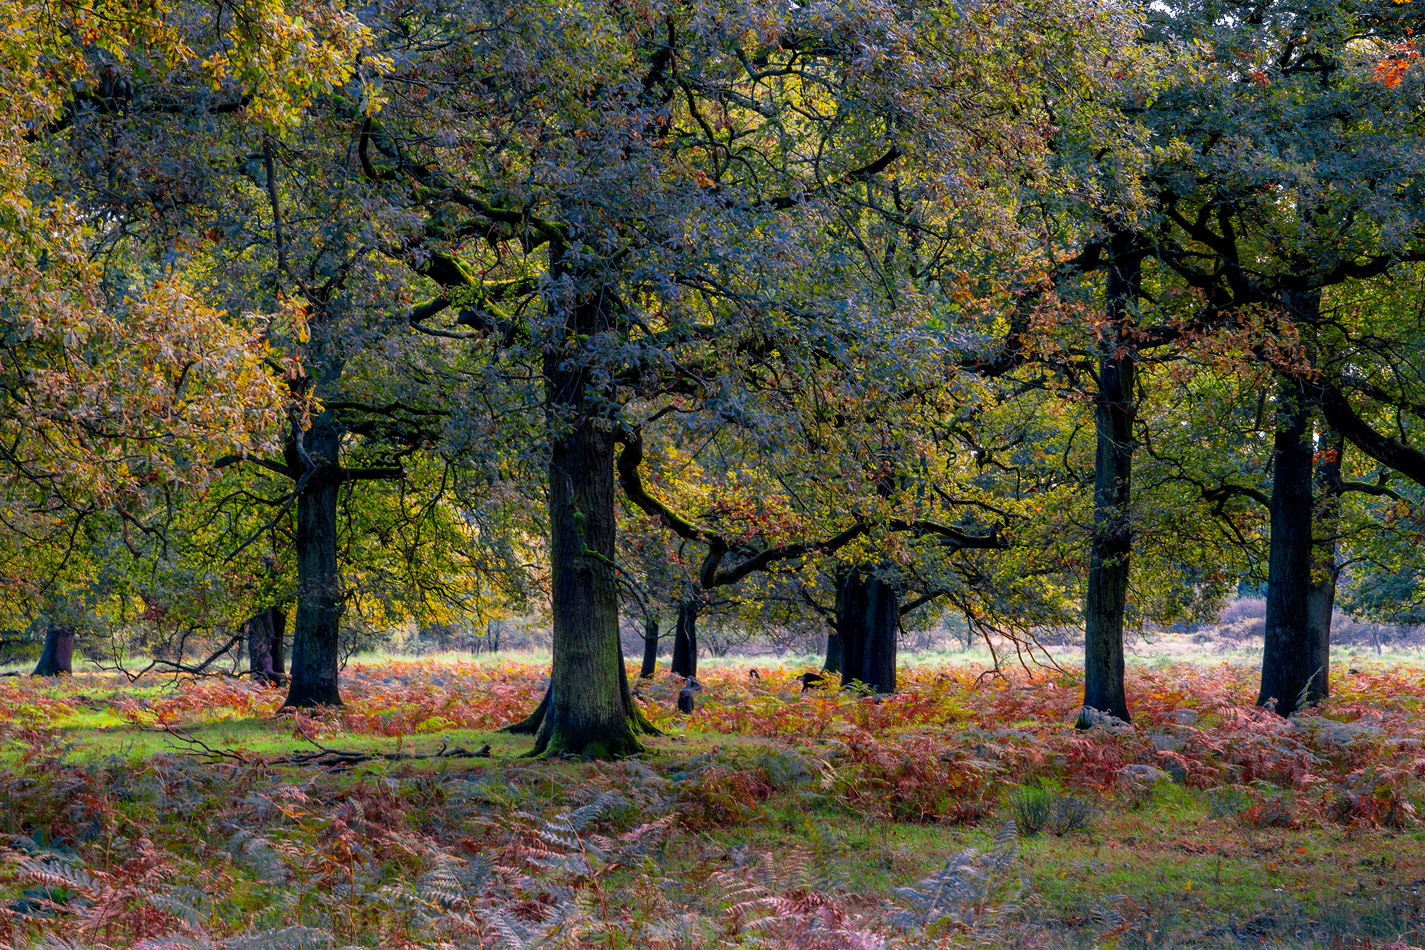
(1294,651)
(279,637)
(591,710)
(57,656)
(685,640)
(835,653)
(265,631)
(320,597)
(257,630)
(529,725)
(882,623)
(638,722)
(1325,571)
(1287,654)
(650,648)
(1320,605)
(1106,599)
(867,617)
(586,714)
(851,624)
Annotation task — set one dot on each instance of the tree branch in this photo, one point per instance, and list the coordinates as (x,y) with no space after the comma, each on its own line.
(1386,450)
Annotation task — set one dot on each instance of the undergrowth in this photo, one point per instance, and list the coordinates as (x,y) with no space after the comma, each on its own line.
(771,818)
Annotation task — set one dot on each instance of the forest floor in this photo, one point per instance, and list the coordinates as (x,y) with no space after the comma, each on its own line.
(962,812)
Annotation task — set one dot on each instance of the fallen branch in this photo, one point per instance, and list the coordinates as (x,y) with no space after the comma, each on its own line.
(201,749)
(333,760)
(178,666)
(337,760)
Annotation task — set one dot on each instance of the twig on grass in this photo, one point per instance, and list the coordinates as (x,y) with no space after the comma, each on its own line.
(332,760)
(336,760)
(201,749)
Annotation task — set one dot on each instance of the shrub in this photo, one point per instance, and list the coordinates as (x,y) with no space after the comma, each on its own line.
(1043,807)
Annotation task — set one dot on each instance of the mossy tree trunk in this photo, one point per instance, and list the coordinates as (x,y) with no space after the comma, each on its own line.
(590,710)
(1293,653)
(882,625)
(851,624)
(1287,652)
(586,714)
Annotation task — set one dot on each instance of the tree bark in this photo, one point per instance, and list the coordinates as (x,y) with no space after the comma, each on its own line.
(1320,605)
(685,640)
(57,656)
(1325,571)
(851,624)
(316,634)
(257,630)
(638,722)
(265,631)
(1106,600)
(530,725)
(868,615)
(650,648)
(1288,656)
(882,623)
(591,711)
(835,653)
(279,637)
(586,713)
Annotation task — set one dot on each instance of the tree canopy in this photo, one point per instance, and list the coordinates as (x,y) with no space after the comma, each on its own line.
(1046,313)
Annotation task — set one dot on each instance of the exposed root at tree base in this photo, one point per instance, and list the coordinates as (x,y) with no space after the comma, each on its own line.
(559,745)
(531,724)
(642,725)
(309,701)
